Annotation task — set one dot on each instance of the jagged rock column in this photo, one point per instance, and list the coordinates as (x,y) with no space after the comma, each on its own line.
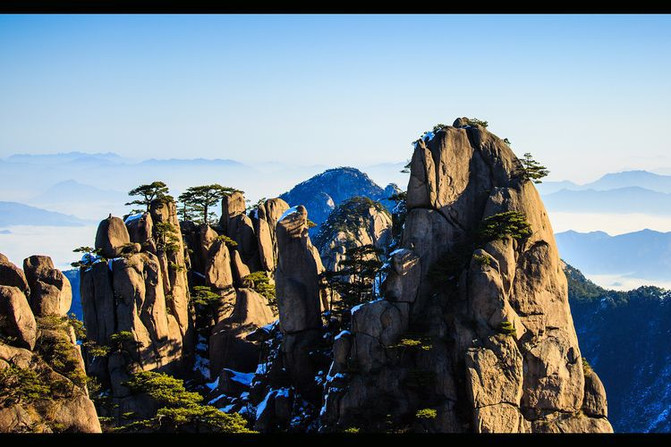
(501,350)
(300,300)
(124,292)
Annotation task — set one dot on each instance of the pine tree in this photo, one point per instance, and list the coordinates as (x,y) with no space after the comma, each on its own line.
(149,192)
(198,200)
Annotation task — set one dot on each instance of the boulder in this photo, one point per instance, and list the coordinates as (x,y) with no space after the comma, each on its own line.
(112,237)
(229,347)
(218,268)
(594,403)
(50,290)
(11,275)
(16,317)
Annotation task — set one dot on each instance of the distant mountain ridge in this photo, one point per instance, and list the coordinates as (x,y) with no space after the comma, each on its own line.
(641,254)
(321,193)
(631,199)
(13,213)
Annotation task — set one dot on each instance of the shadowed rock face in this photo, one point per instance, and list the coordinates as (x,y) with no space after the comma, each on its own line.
(26,348)
(297,276)
(477,375)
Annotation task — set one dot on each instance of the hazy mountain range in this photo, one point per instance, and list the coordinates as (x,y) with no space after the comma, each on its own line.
(78,188)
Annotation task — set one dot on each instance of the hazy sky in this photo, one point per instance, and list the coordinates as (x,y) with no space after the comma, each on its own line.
(585,94)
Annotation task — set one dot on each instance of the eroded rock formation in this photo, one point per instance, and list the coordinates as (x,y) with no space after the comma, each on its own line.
(477,329)
(42,378)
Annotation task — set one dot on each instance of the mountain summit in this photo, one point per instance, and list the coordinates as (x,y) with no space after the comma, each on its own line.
(477,284)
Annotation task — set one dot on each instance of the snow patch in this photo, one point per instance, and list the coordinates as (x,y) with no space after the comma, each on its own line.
(133,217)
(243,378)
(342,333)
(227,408)
(213,385)
(293,209)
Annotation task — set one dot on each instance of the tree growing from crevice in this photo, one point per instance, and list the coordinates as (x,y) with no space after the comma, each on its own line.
(356,281)
(147,193)
(532,170)
(197,201)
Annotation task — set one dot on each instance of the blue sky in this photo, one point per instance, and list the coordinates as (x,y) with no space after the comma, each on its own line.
(585,94)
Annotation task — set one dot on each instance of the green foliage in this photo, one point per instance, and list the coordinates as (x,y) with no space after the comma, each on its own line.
(164,389)
(439,127)
(230,243)
(586,367)
(507,141)
(78,326)
(347,217)
(260,282)
(482,259)
(204,297)
(473,121)
(449,265)
(352,430)
(176,267)
(87,261)
(406,168)
(167,238)
(354,282)
(179,410)
(204,417)
(95,350)
(51,322)
(57,350)
(147,193)
(197,201)
(311,224)
(501,225)
(21,385)
(426,413)
(508,328)
(122,341)
(532,170)
(581,288)
(414,342)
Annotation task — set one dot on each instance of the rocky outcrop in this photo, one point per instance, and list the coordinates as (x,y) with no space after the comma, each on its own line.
(229,347)
(42,375)
(299,299)
(136,303)
(357,222)
(50,291)
(11,275)
(17,320)
(475,323)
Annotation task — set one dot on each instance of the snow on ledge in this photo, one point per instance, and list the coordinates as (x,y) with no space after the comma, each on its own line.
(293,209)
(133,217)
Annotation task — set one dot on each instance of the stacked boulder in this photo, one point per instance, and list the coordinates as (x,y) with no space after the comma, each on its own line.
(42,377)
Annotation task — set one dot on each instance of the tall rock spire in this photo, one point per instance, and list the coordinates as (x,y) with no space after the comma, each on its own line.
(475,324)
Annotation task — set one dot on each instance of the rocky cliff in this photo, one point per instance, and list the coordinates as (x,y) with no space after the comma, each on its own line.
(135,300)
(474,332)
(43,387)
